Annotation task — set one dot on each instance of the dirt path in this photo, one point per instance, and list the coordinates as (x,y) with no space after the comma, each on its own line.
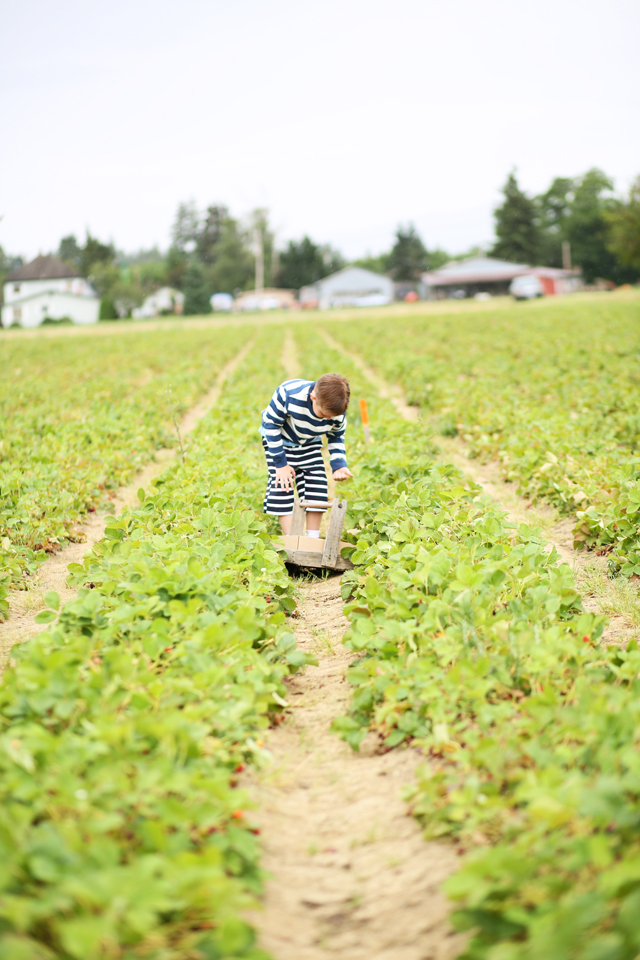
(52,575)
(616,599)
(352,875)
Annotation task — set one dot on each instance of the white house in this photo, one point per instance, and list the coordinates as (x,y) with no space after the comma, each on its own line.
(351,287)
(163,301)
(47,287)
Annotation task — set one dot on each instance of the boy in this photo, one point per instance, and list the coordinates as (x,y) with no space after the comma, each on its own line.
(299,413)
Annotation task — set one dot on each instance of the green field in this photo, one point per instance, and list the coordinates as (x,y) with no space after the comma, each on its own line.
(123,831)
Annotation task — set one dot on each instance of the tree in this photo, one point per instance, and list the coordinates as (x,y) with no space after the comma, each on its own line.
(304,262)
(186,227)
(554,210)
(379,264)
(517,231)
(176,263)
(624,228)
(7,265)
(70,251)
(262,243)
(94,252)
(196,290)
(587,229)
(108,310)
(438,257)
(408,258)
(210,233)
(234,266)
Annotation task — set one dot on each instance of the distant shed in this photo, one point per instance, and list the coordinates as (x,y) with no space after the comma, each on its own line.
(351,287)
(466,278)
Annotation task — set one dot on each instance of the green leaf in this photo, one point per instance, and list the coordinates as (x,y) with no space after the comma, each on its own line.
(45,616)
(52,599)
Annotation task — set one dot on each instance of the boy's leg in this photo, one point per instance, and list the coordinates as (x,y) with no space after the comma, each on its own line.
(277,502)
(314,476)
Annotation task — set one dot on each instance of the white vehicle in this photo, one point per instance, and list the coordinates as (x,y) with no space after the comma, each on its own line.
(526,287)
(222,302)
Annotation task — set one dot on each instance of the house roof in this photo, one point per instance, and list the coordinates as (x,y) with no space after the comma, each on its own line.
(44,267)
(487,270)
(352,271)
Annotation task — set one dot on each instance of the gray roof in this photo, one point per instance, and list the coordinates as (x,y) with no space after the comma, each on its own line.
(485,269)
(44,267)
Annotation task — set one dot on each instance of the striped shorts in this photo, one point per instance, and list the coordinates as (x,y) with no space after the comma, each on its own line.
(311,479)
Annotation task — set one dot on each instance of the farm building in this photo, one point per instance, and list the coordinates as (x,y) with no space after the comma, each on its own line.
(47,287)
(466,278)
(351,287)
(163,301)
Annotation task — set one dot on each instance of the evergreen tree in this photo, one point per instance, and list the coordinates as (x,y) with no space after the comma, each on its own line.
(408,258)
(186,227)
(210,233)
(234,266)
(305,262)
(107,309)
(196,291)
(70,251)
(517,231)
(94,252)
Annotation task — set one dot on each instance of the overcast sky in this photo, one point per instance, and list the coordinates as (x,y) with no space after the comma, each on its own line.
(343,117)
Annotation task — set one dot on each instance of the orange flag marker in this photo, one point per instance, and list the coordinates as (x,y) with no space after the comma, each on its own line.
(364,416)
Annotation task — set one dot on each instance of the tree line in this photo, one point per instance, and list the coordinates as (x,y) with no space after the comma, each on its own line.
(211,251)
(602,231)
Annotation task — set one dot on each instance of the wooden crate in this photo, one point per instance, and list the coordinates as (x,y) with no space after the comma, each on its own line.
(314,551)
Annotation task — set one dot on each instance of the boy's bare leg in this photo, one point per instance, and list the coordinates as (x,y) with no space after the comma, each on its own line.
(313,520)
(285,523)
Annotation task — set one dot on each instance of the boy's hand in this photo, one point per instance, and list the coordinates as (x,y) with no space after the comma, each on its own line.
(342,474)
(285,477)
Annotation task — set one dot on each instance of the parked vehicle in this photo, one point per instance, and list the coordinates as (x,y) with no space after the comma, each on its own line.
(526,287)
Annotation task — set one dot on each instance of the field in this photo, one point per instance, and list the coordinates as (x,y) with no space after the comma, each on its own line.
(139,724)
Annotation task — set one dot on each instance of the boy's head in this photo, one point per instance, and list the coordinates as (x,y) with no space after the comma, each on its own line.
(330,396)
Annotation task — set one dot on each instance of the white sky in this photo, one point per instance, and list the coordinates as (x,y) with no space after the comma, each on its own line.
(343,117)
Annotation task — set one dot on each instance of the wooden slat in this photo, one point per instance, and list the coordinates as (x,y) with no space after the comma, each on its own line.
(309,558)
(334,533)
(318,506)
(298,519)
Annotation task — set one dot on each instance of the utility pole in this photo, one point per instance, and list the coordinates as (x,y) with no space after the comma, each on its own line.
(257,237)
(566,255)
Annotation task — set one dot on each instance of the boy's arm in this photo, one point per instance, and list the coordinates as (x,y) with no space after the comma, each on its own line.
(273,420)
(335,443)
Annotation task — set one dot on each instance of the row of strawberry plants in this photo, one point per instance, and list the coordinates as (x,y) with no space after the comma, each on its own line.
(123,833)
(473,647)
(549,390)
(78,417)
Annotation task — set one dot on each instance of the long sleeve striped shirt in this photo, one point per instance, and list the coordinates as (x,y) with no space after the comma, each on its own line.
(289,421)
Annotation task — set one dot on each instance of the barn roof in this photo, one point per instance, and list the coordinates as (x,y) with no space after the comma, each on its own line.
(44,267)
(487,270)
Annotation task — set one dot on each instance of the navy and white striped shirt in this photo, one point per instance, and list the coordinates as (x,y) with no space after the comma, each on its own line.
(289,421)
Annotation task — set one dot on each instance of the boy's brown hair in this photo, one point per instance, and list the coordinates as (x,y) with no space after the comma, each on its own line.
(332,393)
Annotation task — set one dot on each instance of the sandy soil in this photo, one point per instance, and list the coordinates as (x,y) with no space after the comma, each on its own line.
(352,876)
(52,575)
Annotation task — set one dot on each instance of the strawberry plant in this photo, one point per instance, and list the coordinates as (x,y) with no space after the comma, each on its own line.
(549,390)
(78,418)
(124,832)
(474,648)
